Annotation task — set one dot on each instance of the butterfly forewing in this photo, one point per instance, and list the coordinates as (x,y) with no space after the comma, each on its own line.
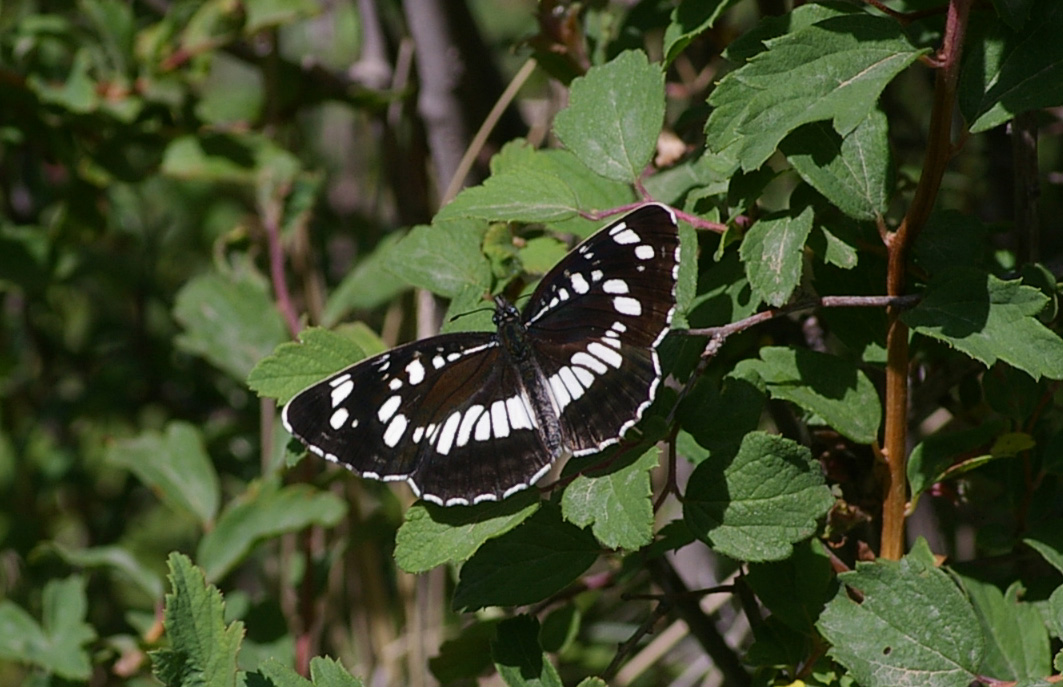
(428,413)
(477,416)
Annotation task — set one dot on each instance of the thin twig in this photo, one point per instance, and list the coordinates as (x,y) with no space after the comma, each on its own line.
(727,330)
(489,123)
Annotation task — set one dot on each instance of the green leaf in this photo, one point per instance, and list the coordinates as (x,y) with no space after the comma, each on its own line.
(724,293)
(911,626)
(1008,72)
(773,254)
(202,647)
(951,238)
(525,194)
(828,386)
(1047,539)
(718,415)
(989,319)
(369,285)
(528,564)
(752,42)
(852,172)
(1015,634)
(541,253)
(227,158)
(518,656)
(77,93)
(175,465)
(295,366)
(832,70)
(260,513)
(230,321)
(617,504)
(759,503)
(614,116)
(264,14)
(443,258)
(935,455)
(467,655)
(56,645)
(433,535)
(328,672)
(689,19)
(834,251)
(115,558)
(795,589)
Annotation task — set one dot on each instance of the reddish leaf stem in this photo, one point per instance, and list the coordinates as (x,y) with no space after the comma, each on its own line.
(938,153)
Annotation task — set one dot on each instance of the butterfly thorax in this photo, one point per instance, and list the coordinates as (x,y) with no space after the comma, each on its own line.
(513,336)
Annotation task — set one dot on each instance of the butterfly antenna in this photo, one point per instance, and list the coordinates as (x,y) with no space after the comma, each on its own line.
(469,312)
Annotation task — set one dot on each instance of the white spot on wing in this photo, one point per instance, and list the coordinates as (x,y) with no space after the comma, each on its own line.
(644,252)
(625,305)
(579,284)
(618,227)
(395,384)
(389,408)
(418,433)
(339,380)
(585,376)
(415,370)
(499,422)
(438,362)
(341,392)
(483,428)
(570,381)
(561,394)
(606,354)
(396,428)
(447,433)
(339,418)
(518,413)
(596,275)
(589,361)
(626,237)
(467,422)
(618,286)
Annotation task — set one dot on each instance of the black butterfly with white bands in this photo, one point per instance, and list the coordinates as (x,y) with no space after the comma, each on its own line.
(476,416)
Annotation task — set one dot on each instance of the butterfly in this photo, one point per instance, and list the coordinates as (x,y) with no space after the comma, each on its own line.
(477,416)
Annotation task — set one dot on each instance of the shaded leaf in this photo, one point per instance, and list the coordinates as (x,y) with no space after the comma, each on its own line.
(175,465)
(832,388)
(539,558)
(912,626)
(852,172)
(230,321)
(989,319)
(518,656)
(56,644)
(758,504)
(261,513)
(433,535)
(1009,72)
